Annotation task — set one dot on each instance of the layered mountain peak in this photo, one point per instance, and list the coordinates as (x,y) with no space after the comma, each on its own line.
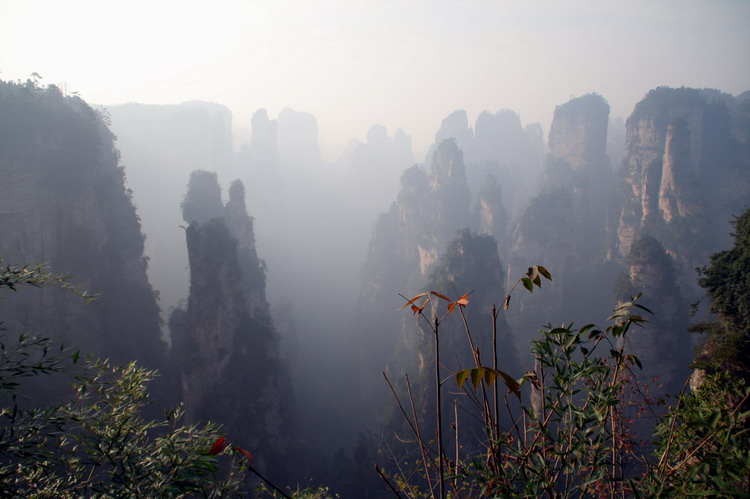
(456,126)
(578,134)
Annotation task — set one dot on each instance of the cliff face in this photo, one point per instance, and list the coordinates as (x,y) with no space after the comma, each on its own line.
(63,201)
(678,180)
(578,133)
(564,226)
(578,162)
(225,346)
(686,171)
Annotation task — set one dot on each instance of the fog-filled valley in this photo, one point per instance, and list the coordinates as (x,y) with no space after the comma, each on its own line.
(321,303)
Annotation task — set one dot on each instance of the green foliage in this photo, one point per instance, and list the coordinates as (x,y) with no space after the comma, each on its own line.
(727,283)
(12,276)
(704,443)
(97,443)
(571,435)
(568,440)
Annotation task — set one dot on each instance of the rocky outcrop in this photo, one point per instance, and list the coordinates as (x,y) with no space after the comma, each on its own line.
(578,135)
(492,217)
(225,346)
(63,201)
(406,243)
(564,226)
(676,196)
(685,173)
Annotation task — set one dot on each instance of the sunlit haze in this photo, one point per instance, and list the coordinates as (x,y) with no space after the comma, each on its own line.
(353,64)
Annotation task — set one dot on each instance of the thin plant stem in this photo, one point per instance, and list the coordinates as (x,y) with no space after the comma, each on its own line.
(422,448)
(441,463)
(494,366)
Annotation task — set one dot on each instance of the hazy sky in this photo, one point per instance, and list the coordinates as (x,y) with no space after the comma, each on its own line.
(355,63)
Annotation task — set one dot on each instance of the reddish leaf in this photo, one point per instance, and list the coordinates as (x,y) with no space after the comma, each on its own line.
(411,302)
(451,306)
(244,452)
(435,293)
(416,309)
(218,446)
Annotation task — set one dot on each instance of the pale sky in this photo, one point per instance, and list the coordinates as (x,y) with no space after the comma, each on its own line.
(354,63)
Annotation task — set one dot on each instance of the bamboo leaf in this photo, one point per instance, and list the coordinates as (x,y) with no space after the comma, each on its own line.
(570,341)
(643,308)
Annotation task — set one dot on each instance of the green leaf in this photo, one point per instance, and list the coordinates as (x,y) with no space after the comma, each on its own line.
(461,377)
(714,420)
(637,361)
(570,341)
(643,308)
(586,328)
(596,333)
(477,374)
(527,284)
(75,356)
(544,272)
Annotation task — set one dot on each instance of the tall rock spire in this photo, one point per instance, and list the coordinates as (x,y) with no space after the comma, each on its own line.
(226,349)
